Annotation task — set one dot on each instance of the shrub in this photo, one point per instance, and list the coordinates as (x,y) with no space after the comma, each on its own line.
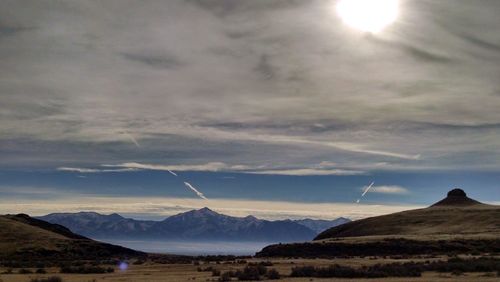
(273,274)
(376,271)
(40,271)
(48,279)
(250,273)
(206,269)
(86,269)
(263,263)
(226,276)
(215,272)
(25,271)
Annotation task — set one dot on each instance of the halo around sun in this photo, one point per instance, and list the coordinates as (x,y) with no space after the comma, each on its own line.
(368,15)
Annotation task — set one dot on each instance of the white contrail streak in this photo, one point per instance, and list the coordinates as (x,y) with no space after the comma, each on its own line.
(171,172)
(132,139)
(364,192)
(195,190)
(367,189)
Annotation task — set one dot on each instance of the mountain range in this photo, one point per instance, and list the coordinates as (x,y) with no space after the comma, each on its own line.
(200,225)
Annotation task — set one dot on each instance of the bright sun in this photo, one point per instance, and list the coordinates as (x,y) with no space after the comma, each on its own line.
(368,15)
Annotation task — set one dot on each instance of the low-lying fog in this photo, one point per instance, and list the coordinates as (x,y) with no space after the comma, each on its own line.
(191,248)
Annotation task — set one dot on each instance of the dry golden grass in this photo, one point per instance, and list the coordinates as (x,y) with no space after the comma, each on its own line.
(177,272)
(477,220)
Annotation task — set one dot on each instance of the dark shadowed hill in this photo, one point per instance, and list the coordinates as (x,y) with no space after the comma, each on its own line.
(28,239)
(456,215)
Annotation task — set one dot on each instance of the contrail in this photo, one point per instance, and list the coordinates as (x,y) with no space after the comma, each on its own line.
(171,172)
(194,190)
(367,189)
(132,139)
(364,192)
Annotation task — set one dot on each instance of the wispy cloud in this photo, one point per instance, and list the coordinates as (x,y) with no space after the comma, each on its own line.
(144,207)
(94,170)
(324,168)
(422,71)
(211,166)
(309,171)
(389,190)
(195,190)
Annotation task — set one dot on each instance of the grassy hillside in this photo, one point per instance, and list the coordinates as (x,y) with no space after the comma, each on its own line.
(454,225)
(481,219)
(25,238)
(456,214)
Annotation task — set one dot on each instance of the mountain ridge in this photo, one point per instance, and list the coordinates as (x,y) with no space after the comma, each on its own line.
(201,224)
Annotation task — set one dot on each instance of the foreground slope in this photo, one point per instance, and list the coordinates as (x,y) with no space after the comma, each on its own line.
(455,215)
(25,238)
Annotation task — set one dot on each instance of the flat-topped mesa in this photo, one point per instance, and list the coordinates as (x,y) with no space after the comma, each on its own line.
(456,197)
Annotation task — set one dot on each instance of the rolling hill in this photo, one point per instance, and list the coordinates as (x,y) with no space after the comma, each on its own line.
(456,224)
(29,239)
(457,214)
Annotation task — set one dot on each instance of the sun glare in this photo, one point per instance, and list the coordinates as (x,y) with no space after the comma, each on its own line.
(368,15)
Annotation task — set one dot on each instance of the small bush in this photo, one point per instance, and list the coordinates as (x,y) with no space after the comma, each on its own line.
(206,269)
(86,269)
(48,279)
(215,272)
(263,263)
(40,271)
(25,271)
(251,272)
(226,276)
(273,274)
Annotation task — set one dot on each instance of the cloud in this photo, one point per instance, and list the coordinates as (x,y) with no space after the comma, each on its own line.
(308,171)
(323,91)
(156,207)
(94,170)
(211,166)
(324,168)
(389,190)
(12,30)
(157,61)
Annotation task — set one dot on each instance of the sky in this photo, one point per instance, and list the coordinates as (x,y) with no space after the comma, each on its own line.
(270,107)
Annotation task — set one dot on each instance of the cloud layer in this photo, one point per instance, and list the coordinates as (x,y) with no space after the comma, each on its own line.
(264,86)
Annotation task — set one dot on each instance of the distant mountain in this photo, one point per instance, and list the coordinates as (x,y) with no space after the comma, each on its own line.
(203,224)
(97,225)
(29,239)
(319,226)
